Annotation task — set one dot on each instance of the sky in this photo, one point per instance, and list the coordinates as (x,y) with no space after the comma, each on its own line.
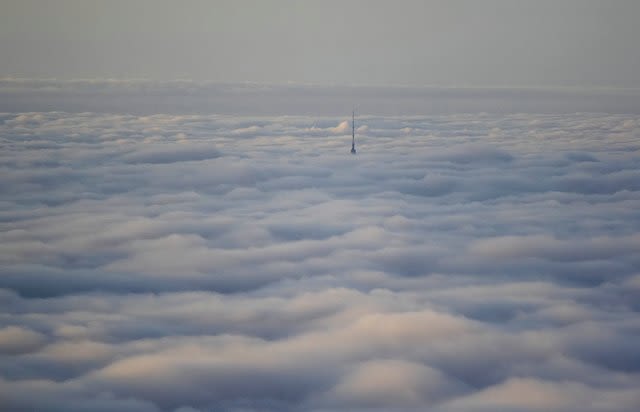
(184,229)
(461,43)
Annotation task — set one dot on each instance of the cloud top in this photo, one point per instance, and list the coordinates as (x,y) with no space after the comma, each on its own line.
(197,262)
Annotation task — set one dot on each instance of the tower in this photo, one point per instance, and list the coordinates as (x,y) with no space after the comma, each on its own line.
(353,132)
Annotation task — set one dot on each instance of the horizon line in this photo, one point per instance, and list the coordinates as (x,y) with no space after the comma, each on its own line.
(123,80)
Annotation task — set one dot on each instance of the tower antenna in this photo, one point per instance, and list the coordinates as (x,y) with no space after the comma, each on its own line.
(353,131)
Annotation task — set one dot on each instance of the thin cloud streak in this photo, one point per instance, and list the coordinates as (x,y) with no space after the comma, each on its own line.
(145,97)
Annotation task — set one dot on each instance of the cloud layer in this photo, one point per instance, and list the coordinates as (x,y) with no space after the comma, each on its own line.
(208,262)
(147,97)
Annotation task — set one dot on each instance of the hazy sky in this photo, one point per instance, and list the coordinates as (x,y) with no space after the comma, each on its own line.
(449,43)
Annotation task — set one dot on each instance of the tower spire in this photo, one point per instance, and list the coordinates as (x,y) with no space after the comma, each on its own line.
(353,132)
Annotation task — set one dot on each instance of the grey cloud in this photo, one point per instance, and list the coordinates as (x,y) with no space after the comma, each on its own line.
(514,247)
(16,339)
(525,394)
(171,154)
(19,396)
(460,262)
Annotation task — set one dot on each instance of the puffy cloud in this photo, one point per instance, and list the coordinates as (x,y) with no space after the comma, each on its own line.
(190,262)
(524,394)
(392,383)
(16,339)
(342,128)
(545,247)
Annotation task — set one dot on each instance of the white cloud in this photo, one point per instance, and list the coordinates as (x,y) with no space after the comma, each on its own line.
(342,128)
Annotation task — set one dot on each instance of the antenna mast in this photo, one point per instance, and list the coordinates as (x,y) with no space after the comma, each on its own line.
(353,132)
